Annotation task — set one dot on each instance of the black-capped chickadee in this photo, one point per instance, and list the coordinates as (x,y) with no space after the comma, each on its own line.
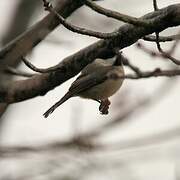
(97,81)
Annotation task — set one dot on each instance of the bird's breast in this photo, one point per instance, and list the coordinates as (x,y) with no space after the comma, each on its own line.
(103,90)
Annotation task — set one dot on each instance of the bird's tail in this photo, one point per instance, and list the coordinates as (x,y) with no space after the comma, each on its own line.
(57,104)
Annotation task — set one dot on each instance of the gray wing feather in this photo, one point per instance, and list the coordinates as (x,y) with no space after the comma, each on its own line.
(82,83)
(57,104)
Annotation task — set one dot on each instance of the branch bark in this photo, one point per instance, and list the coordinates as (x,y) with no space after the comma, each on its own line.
(72,65)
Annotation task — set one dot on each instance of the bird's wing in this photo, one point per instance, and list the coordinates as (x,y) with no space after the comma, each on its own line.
(57,104)
(84,82)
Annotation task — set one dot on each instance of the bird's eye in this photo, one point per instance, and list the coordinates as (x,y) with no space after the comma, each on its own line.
(113,75)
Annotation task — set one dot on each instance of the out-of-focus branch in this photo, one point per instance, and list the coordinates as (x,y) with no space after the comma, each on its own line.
(25,42)
(8,151)
(11,53)
(134,68)
(154,53)
(86,140)
(146,141)
(19,22)
(20,19)
(72,65)
(90,144)
(165,54)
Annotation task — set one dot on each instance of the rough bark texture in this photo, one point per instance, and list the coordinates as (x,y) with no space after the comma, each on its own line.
(70,66)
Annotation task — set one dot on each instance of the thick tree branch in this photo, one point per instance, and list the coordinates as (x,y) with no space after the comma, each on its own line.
(34,68)
(166,54)
(72,65)
(12,52)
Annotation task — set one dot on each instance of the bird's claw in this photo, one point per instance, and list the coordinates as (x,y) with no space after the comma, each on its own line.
(104,106)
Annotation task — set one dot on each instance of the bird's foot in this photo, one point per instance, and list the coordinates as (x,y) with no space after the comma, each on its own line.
(104,106)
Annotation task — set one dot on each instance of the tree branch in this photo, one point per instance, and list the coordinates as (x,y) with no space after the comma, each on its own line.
(72,65)
(14,71)
(155,73)
(165,54)
(162,38)
(77,29)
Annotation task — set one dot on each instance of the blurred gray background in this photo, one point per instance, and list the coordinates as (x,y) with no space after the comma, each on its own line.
(139,139)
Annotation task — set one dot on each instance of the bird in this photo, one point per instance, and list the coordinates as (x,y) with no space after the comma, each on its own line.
(98,81)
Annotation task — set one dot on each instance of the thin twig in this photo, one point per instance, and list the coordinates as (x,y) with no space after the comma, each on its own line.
(171,51)
(164,54)
(131,66)
(25,42)
(155,5)
(147,50)
(116,15)
(167,55)
(155,73)
(14,71)
(126,62)
(77,29)
(39,70)
(162,38)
